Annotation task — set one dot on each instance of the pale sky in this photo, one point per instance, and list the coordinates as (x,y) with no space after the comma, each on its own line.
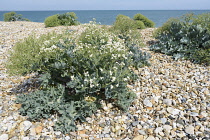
(18,5)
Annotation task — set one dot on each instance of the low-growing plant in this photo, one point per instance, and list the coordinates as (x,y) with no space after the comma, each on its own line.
(165,28)
(12,16)
(147,22)
(66,19)
(203,20)
(79,71)
(140,24)
(20,63)
(126,28)
(52,21)
(187,38)
(124,24)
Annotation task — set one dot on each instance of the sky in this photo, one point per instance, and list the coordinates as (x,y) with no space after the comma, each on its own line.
(31,5)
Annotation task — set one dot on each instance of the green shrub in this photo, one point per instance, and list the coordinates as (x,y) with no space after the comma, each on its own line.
(12,16)
(187,38)
(140,25)
(52,21)
(124,24)
(66,19)
(79,71)
(126,28)
(147,22)
(26,57)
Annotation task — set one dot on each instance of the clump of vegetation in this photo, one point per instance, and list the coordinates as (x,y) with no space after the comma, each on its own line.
(187,37)
(140,24)
(124,24)
(52,21)
(12,16)
(165,28)
(147,22)
(30,61)
(66,19)
(126,28)
(77,72)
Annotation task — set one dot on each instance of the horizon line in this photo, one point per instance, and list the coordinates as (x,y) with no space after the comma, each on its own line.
(117,10)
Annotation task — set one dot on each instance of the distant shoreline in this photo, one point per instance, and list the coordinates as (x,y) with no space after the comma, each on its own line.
(108,10)
(105,17)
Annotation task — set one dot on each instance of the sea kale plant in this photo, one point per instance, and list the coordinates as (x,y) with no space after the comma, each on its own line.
(79,71)
(187,38)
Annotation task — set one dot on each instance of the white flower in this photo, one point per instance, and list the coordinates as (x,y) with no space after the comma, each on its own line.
(110,72)
(111,87)
(85,80)
(54,47)
(125,79)
(101,78)
(72,77)
(61,41)
(115,68)
(113,79)
(46,42)
(122,63)
(101,69)
(91,81)
(87,74)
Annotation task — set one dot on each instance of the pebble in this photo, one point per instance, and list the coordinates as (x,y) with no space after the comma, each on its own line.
(4,137)
(193,114)
(26,125)
(167,102)
(173,99)
(151,138)
(139,137)
(189,129)
(147,103)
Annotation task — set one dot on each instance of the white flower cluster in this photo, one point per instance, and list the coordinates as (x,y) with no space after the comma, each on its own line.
(51,49)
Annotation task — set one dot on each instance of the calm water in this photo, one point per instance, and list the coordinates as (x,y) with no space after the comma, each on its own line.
(107,17)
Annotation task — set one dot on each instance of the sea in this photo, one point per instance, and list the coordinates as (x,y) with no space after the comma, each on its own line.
(107,17)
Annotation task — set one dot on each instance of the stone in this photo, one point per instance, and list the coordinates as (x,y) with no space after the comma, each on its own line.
(163,120)
(189,129)
(32,131)
(173,111)
(181,134)
(168,102)
(142,132)
(135,123)
(38,129)
(167,128)
(180,122)
(147,103)
(193,114)
(26,125)
(151,138)
(202,129)
(58,133)
(158,130)
(139,137)
(4,137)
(25,138)
(67,138)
